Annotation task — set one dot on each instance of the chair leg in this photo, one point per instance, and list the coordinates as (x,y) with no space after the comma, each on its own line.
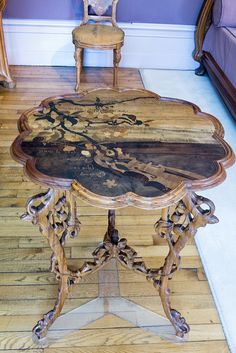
(78,63)
(116,60)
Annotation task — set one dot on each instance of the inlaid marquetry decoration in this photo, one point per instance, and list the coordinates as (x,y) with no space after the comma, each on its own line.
(121,148)
(113,149)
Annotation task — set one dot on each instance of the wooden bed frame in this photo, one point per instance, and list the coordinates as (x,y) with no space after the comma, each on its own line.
(207,62)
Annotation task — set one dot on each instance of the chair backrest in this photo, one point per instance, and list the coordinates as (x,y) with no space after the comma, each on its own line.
(99,8)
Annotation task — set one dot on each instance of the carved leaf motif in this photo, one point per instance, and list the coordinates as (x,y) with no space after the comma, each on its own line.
(100,6)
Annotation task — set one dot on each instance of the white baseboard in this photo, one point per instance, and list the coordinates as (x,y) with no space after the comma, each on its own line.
(43,42)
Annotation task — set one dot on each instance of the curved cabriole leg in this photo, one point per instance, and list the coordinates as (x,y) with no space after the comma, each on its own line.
(177,229)
(164,228)
(78,63)
(116,61)
(41,328)
(179,322)
(55,213)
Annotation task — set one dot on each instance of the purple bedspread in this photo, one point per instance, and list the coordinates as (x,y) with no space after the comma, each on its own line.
(220,42)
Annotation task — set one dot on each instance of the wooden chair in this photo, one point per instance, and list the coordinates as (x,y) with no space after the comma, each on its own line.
(98,36)
(5,76)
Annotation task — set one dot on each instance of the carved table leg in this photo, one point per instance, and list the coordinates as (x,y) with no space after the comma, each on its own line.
(164,228)
(177,229)
(41,328)
(54,212)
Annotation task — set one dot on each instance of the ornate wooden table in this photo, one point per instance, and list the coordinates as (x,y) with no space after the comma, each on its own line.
(113,149)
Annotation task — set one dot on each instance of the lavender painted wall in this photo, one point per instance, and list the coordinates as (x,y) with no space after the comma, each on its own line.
(144,11)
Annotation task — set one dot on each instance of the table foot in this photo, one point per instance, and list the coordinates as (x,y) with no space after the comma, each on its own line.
(41,342)
(55,213)
(177,228)
(41,328)
(175,317)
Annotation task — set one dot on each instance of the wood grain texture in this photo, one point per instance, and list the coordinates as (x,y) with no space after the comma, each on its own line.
(122,148)
(203,347)
(34,83)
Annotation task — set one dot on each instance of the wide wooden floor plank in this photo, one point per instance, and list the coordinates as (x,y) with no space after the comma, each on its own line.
(128,277)
(108,337)
(153,303)
(187,347)
(203,347)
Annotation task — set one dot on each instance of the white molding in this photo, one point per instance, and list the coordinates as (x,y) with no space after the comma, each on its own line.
(48,42)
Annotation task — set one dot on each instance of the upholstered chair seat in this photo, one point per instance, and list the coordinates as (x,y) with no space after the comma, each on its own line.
(97,35)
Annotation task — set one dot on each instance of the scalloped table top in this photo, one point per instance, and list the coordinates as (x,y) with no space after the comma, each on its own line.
(118,148)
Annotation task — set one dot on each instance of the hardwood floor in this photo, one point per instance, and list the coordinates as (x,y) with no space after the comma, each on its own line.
(27,289)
